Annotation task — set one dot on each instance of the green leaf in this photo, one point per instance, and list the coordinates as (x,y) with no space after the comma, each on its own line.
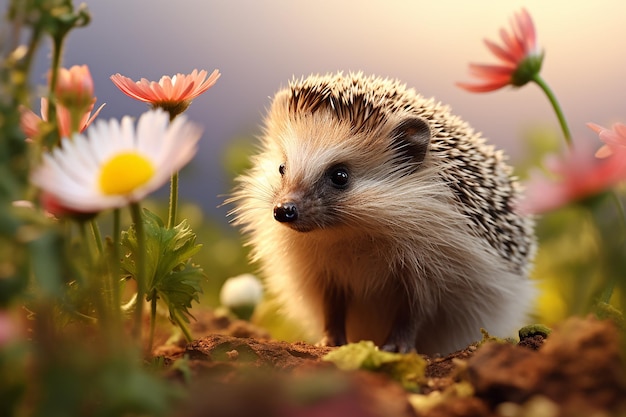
(171,276)
(408,369)
(178,289)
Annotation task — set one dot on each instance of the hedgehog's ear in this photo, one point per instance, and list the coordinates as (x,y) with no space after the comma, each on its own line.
(411,138)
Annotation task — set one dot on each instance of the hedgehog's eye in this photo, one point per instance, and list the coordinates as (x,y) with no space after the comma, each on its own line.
(339,176)
(281,169)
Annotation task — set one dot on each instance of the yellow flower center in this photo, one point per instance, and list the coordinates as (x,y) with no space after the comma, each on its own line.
(124,173)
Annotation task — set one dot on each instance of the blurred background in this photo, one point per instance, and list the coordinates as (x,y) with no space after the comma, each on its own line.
(260,45)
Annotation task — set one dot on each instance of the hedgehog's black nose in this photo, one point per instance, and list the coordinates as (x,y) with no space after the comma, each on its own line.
(286,212)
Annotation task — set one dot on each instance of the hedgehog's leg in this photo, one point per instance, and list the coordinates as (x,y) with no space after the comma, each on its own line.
(334,318)
(403,331)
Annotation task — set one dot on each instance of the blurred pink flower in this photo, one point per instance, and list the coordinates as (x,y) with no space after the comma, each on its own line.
(29,121)
(614,139)
(74,88)
(173,94)
(520,56)
(9,329)
(576,176)
(55,209)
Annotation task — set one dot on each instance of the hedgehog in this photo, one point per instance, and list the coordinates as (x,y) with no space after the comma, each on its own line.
(375,214)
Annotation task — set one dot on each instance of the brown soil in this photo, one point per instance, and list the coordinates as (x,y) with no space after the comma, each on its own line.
(237,370)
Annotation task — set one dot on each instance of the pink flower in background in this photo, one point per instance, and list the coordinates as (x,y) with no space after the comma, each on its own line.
(519,55)
(11,328)
(74,88)
(576,176)
(614,139)
(173,94)
(29,121)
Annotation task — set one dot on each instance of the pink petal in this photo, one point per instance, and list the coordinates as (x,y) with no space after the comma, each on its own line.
(604,152)
(178,88)
(512,45)
(491,71)
(481,88)
(29,122)
(500,52)
(596,128)
(527,28)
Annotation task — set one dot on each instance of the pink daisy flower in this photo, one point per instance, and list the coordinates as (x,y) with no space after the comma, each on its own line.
(576,176)
(30,122)
(519,55)
(173,94)
(614,139)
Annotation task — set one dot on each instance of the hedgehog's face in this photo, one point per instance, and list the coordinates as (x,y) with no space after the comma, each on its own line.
(314,206)
(323,170)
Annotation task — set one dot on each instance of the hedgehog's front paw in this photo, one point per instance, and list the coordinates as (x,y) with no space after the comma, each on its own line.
(401,339)
(398,347)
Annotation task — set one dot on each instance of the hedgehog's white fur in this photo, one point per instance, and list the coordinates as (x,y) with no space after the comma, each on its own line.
(442,237)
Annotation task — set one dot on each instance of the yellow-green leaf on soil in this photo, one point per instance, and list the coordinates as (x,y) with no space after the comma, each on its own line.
(408,368)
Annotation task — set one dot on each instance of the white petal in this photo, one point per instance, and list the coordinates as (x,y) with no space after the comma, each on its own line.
(76,162)
(99,139)
(151,130)
(125,140)
(182,138)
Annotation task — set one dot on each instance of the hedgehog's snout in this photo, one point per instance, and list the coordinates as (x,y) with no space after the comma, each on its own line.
(286,212)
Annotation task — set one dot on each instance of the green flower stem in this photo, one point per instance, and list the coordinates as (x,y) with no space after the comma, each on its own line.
(183,326)
(611,242)
(57,51)
(153,311)
(83,234)
(557,108)
(173,207)
(620,209)
(140,273)
(21,82)
(607,292)
(115,264)
(76,115)
(92,266)
(97,237)
(106,284)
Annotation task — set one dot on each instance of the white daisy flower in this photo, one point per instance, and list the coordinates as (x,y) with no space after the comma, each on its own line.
(115,164)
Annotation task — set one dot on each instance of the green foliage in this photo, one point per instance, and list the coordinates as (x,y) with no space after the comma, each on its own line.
(487,338)
(171,276)
(79,363)
(534,329)
(78,377)
(13,358)
(606,311)
(56,17)
(408,369)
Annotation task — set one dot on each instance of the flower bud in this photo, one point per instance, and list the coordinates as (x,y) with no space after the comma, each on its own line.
(241,294)
(74,88)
